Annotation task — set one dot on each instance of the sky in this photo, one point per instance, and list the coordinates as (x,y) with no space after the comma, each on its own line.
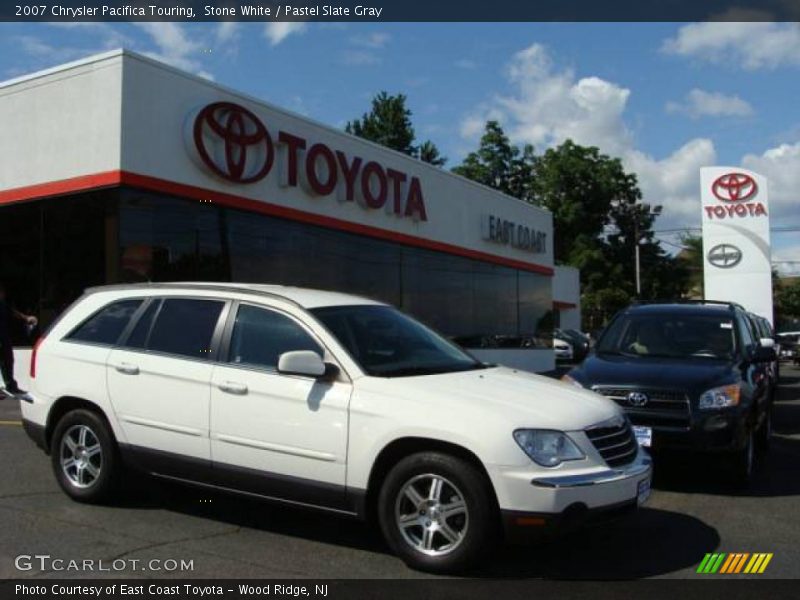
(666,98)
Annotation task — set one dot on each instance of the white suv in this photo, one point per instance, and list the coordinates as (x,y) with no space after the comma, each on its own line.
(329,401)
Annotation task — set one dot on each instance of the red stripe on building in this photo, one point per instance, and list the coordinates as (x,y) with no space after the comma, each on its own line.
(112,178)
(563,305)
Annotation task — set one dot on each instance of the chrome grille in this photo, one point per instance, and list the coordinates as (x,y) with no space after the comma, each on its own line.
(615,442)
(665,409)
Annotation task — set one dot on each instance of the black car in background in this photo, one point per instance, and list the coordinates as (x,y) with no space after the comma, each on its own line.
(762,329)
(689,376)
(579,342)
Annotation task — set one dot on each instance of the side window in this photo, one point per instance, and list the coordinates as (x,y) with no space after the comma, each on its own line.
(107,324)
(260,336)
(185,327)
(140,333)
(745,333)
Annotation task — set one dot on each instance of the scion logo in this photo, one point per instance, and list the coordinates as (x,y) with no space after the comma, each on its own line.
(638,399)
(734,187)
(233,142)
(724,256)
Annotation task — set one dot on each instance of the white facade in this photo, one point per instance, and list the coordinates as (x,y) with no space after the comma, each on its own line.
(567,297)
(123,119)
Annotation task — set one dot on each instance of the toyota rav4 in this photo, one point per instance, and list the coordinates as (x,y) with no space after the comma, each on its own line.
(328,401)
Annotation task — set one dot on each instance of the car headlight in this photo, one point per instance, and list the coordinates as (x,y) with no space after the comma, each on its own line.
(546,447)
(720,397)
(571,380)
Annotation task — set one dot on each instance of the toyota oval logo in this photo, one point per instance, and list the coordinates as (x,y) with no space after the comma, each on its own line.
(724,256)
(638,399)
(734,187)
(233,142)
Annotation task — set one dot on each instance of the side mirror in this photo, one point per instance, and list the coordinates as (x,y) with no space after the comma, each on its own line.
(767,342)
(762,354)
(301,362)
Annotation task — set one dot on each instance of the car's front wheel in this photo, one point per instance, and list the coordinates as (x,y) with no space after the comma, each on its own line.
(84,456)
(437,512)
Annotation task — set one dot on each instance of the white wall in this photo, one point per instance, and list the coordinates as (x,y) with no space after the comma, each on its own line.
(567,290)
(537,361)
(60,124)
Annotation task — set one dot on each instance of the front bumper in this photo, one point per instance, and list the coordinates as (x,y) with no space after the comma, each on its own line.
(713,431)
(539,502)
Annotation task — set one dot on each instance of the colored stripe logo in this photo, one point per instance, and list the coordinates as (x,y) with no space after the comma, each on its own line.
(734,563)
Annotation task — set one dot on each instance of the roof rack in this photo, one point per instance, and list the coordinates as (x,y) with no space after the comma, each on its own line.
(727,303)
(199,285)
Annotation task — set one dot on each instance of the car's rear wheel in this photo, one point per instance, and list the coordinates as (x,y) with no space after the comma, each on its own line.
(84,457)
(437,512)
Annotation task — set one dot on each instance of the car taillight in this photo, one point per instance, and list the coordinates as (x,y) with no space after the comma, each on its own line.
(33,356)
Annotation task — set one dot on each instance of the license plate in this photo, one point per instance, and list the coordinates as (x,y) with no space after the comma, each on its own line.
(644,435)
(643,491)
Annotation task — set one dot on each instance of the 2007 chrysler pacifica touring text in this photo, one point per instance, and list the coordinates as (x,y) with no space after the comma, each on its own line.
(324,400)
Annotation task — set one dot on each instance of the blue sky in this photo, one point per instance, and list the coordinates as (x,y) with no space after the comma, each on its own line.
(666,98)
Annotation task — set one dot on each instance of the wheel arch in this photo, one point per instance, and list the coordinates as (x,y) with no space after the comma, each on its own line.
(67,404)
(399,448)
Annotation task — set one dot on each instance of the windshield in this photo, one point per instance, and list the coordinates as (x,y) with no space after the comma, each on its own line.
(673,336)
(387,343)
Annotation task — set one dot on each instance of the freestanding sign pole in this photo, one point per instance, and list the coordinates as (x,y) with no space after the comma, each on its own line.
(736,245)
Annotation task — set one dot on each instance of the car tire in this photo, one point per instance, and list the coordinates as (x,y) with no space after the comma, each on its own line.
(744,461)
(438,513)
(765,432)
(84,457)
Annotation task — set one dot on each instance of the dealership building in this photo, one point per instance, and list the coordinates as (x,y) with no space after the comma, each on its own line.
(118,168)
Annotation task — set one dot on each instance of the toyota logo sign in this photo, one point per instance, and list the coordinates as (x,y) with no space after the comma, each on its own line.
(734,187)
(638,399)
(724,256)
(233,142)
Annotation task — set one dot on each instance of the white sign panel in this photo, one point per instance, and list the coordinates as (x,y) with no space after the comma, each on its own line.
(736,244)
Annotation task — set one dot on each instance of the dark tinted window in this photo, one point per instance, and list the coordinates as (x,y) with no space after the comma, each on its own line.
(671,336)
(106,325)
(138,337)
(260,336)
(185,327)
(387,343)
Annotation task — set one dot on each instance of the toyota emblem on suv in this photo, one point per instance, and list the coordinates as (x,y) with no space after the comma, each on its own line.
(724,256)
(637,399)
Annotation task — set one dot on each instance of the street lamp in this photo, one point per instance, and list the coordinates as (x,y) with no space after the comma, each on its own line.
(642,210)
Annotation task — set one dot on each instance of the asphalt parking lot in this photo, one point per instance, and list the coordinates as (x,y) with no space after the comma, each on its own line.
(692,512)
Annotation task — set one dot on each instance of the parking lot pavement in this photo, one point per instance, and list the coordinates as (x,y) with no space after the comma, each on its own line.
(692,512)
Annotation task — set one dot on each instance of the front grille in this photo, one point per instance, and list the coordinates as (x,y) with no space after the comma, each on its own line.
(615,442)
(665,409)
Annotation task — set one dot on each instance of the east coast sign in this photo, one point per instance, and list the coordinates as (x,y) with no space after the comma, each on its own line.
(234,144)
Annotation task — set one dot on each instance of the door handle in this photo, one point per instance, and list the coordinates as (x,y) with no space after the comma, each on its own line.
(231,387)
(127,369)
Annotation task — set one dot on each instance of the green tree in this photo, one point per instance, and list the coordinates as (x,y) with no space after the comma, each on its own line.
(787,300)
(500,165)
(389,123)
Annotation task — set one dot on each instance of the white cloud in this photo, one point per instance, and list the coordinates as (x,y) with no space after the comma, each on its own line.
(371,40)
(280,30)
(781,166)
(749,45)
(360,58)
(700,103)
(175,46)
(548,105)
(227,31)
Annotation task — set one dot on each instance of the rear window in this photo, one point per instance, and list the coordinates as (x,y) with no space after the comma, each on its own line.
(106,325)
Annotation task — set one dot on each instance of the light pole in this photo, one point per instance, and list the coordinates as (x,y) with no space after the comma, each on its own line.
(641,210)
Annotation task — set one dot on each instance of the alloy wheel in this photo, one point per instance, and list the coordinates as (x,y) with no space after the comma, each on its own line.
(431,514)
(81,456)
